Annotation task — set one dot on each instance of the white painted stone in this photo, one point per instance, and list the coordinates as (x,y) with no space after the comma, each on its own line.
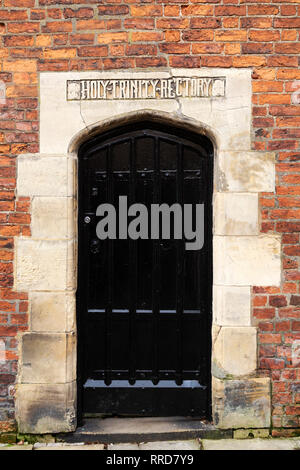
(232,305)
(52,312)
(48,358)
(42,175)
(248,261)
(235,214)
(53,217)
(246,171)
(44,265)
(234,351)
(230,116)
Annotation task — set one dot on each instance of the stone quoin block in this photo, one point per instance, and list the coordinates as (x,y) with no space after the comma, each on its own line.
(235,214)
(244,260)
(46,408)
(48,358)
(52,312)
(244,403)
(40,175)
(247,171)
(232,305)
(53,217)
(234,351)
(45,265)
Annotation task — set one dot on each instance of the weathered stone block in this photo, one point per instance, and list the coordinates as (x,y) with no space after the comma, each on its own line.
(53,217)
(42,175)
(232,305)
(47,358)
(247,171)
(52,312)
(235,214)
(234,352)
(248,261)
(44,265)
(46,408)
(242,403)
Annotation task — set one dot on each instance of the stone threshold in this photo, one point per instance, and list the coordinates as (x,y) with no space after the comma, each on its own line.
(122,430)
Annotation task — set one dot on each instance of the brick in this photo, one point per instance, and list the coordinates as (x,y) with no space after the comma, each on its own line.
(175,48)
(139,23)
(231,10)
(79,13)
(90,25)
(57,27)
(146,36)
(264,313)
(207,48)
(257,48)
(115,10)
(259,22)
(116,63)
(24,27)
(249,61)
(272,363)
(272,338)
(264,10)
(295,300)
(143,10)
(150,62)
(198,35)
(277,301)
(13,15)
(264,36)
(205,23)
(141,49)
(288,10)
(107,38)
(194,10)
(282,61)
(43,40)
(171,10)
(23,41)
(179,61)
(231,36)
(63,53)
(80,39)
(171,36)
(217,61)
(93,51)
(266,85)
(287,23)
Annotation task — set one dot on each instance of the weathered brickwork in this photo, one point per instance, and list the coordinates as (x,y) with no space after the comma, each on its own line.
(65,35)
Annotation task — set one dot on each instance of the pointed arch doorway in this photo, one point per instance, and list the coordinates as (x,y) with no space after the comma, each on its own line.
(144,306)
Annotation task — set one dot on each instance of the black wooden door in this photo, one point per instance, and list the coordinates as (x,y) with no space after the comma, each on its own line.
(144,306)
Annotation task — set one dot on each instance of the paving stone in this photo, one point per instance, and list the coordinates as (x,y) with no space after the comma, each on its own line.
(70,447)
(123,446)
(16,447)
(171,445)
(251,444)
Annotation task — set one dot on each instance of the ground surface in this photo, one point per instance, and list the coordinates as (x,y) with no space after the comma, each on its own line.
(193,444)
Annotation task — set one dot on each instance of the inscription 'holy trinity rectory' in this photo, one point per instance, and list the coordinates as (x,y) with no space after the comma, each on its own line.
(159,88)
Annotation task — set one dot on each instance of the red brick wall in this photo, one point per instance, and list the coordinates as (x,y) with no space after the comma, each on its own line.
(52,35)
